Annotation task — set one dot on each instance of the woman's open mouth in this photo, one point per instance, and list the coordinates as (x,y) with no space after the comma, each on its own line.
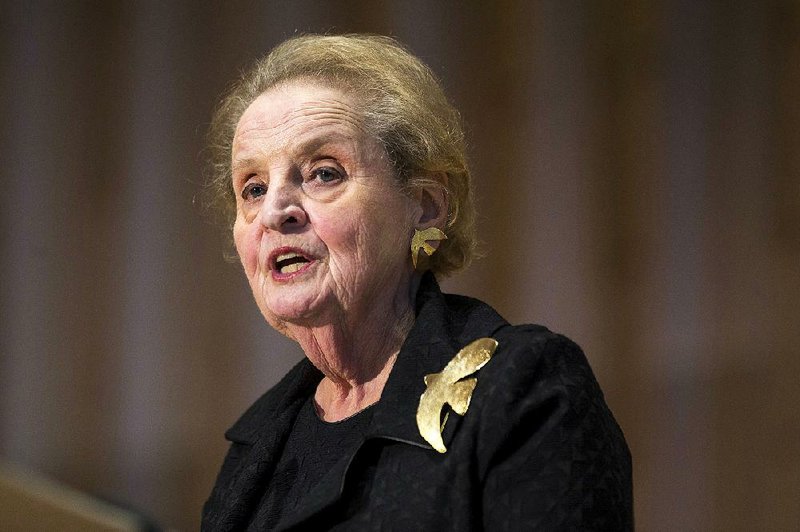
(286,263)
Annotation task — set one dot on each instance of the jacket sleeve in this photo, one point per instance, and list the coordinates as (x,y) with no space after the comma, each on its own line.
(552,457)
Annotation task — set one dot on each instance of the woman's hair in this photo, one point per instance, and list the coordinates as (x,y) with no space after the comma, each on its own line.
(402,105)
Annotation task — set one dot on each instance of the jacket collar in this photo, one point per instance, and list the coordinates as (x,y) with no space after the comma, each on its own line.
(444,324)
(287,396)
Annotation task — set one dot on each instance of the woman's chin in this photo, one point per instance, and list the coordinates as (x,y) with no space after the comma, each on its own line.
(282,314)
(297,310)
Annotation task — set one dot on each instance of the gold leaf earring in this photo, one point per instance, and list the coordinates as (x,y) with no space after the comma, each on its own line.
(420,241)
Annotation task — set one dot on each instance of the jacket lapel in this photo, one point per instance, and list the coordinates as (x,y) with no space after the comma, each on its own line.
(261,433)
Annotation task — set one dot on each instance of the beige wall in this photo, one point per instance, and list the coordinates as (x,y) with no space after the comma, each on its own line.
(639,186)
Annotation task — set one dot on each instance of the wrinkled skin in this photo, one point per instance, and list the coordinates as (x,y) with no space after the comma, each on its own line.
(309,180)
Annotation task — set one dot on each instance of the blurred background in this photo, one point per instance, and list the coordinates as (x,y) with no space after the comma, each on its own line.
(637,170)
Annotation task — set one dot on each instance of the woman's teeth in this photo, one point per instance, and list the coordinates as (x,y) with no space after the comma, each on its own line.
(292,267)
(289,262)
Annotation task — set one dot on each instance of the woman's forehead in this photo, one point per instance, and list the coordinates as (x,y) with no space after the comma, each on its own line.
(288,105)
(286,113)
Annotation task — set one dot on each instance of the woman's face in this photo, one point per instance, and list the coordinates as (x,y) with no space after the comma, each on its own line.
(322,229)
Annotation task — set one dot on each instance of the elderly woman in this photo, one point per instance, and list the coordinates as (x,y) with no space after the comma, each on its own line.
(343,167)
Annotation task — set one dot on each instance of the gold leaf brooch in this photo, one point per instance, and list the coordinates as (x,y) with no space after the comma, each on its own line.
(447,387)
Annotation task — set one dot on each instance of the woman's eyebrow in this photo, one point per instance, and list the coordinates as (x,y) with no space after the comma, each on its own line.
(319,141)
(313,143)
(246,162)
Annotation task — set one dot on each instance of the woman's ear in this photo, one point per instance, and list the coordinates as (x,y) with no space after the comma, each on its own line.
(433,200)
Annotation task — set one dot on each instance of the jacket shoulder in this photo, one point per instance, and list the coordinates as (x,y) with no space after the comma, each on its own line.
(542,427)
(538,382)
(533,354)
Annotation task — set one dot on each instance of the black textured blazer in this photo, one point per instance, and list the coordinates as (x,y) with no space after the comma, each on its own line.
(538,448)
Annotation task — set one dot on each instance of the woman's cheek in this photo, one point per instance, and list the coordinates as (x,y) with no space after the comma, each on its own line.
(239,238)
(248,256)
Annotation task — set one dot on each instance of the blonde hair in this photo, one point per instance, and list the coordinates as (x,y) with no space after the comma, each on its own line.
(402,104)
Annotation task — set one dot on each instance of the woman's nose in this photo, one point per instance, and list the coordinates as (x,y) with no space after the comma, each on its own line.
(282,209)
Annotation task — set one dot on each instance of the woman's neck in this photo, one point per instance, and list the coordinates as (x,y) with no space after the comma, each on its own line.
(356,357)
(337,400)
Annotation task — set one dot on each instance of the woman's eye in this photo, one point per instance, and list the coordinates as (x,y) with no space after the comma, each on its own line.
(327,174)
(253,190)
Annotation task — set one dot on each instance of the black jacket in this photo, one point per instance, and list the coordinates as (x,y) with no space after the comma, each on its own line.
(538,448)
